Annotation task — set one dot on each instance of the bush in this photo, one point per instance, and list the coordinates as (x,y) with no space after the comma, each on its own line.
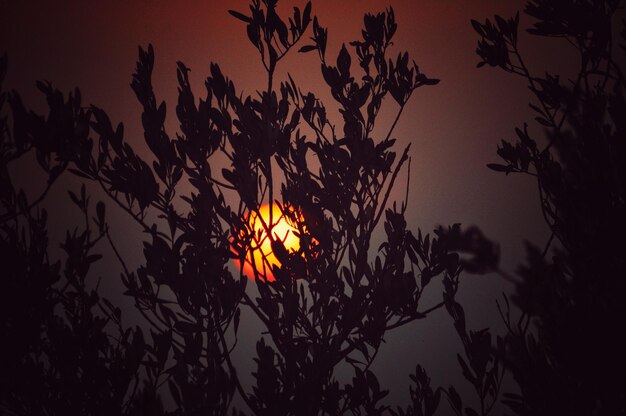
(329,300)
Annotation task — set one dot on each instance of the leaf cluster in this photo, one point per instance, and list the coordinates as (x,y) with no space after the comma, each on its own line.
(571,359)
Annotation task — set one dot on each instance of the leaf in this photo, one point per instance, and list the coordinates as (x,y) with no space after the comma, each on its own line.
(175,392)
(343,62)
(502,24)
(306,16)
(79,173)
(236,319)
(430,81)
(240,16)
(93,258)
(230,176)
(75,199)
(283,33)
(467,373)
(307,48)
(185,327)
(543,121)
(499,168)
(477,27)
(167,314)
(455,399)
(55,172)
(471,412)
(253,34)
(537,109)
(100,212)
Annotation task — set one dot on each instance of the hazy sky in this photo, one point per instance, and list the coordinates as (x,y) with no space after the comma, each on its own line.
(454,127)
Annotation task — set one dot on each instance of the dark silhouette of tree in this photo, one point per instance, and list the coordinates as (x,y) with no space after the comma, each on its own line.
(64,347)
(572,361)
(330,302)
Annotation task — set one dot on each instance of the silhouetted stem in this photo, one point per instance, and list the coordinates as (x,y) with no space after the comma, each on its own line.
(256,310)
(395,121)
(418,315)
(9,217)
(388,192)
(233,371)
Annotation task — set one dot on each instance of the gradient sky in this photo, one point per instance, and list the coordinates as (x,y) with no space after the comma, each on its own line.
(454,127)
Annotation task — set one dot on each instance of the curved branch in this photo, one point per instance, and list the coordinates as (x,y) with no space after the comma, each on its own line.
(8,217)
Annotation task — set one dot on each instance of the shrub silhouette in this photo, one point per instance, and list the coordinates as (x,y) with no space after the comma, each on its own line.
(573,363)
(332,300)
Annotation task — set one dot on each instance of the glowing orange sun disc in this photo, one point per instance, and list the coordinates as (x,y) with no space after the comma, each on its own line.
(261,246)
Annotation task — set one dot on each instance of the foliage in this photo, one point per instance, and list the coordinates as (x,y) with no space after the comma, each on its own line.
(574,362)
(65,349)
(331,303)
(336,297)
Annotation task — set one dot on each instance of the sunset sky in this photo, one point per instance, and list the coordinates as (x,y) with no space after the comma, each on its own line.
(454,127)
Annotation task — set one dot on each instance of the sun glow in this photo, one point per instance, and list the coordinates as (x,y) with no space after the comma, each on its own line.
(261,245)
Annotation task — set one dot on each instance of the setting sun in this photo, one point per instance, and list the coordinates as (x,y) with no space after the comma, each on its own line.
(261,246)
